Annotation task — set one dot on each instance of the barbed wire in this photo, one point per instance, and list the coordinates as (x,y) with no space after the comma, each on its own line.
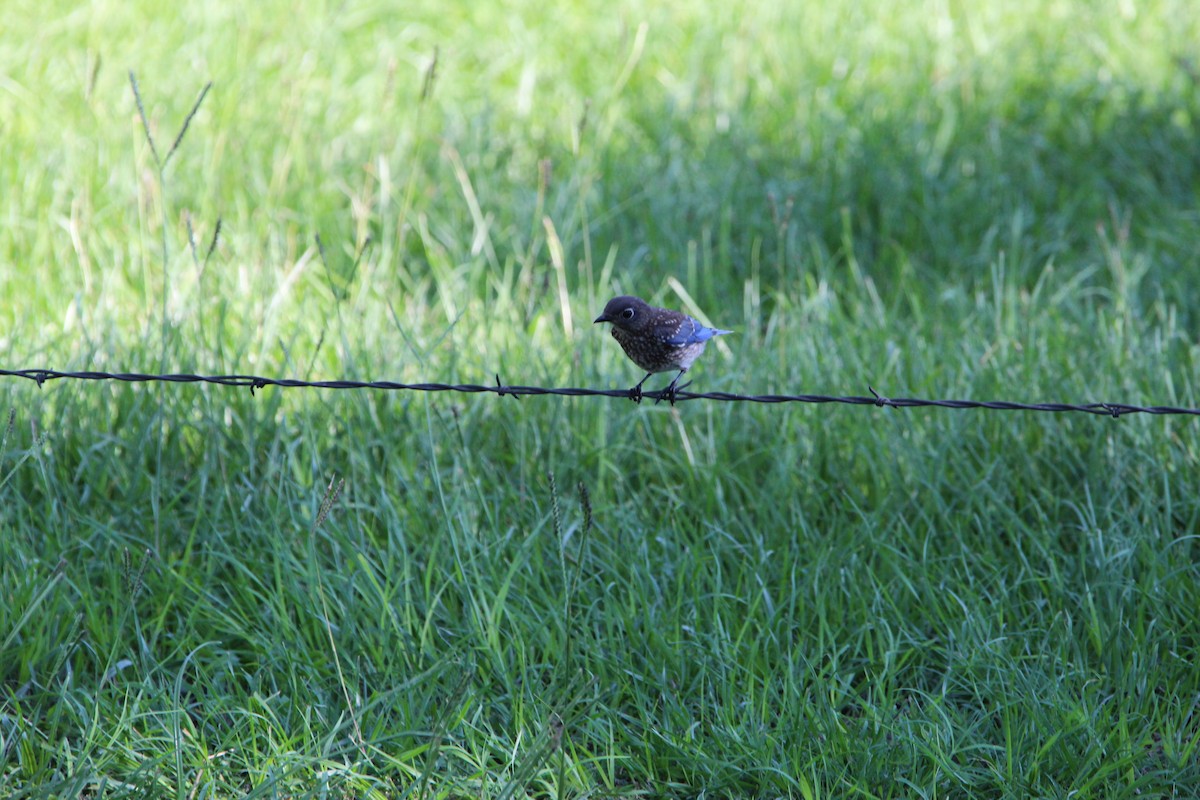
(254,382)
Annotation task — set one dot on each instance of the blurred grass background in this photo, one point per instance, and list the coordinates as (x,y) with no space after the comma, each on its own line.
(581,597)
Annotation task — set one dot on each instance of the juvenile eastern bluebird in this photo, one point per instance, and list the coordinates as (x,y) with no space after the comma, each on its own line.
(655,339)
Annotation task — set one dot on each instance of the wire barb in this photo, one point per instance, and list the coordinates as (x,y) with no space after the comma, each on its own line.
(1115,410)
(501,391)
(670,394)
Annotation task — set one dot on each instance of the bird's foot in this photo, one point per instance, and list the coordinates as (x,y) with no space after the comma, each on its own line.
(671,392)
(635,394)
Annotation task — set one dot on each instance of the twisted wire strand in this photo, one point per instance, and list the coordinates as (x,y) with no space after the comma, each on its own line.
(254,382)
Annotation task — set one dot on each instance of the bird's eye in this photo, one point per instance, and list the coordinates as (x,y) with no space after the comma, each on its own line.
(627,314)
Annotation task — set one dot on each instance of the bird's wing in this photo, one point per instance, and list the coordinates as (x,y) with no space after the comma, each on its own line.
(686,331)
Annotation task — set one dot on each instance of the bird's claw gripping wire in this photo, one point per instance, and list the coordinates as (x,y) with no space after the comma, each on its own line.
(671,393)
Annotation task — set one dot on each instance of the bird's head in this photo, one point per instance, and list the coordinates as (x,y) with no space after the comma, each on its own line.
(626,312)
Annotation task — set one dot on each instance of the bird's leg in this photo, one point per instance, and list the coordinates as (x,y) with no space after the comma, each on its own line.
(668,393)
(635,394)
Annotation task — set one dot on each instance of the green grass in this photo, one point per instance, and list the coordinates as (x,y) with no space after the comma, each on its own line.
(580,597)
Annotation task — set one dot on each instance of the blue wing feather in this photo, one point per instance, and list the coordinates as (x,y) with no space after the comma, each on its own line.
(688,331)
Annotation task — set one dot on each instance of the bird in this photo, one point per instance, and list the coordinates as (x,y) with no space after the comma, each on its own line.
(656,339)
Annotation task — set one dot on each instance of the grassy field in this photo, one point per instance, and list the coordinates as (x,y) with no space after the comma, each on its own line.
(583,597)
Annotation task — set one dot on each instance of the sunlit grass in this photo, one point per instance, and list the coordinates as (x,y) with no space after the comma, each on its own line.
(576,596)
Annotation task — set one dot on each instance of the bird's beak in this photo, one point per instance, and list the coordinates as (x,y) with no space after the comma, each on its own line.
(601,318)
